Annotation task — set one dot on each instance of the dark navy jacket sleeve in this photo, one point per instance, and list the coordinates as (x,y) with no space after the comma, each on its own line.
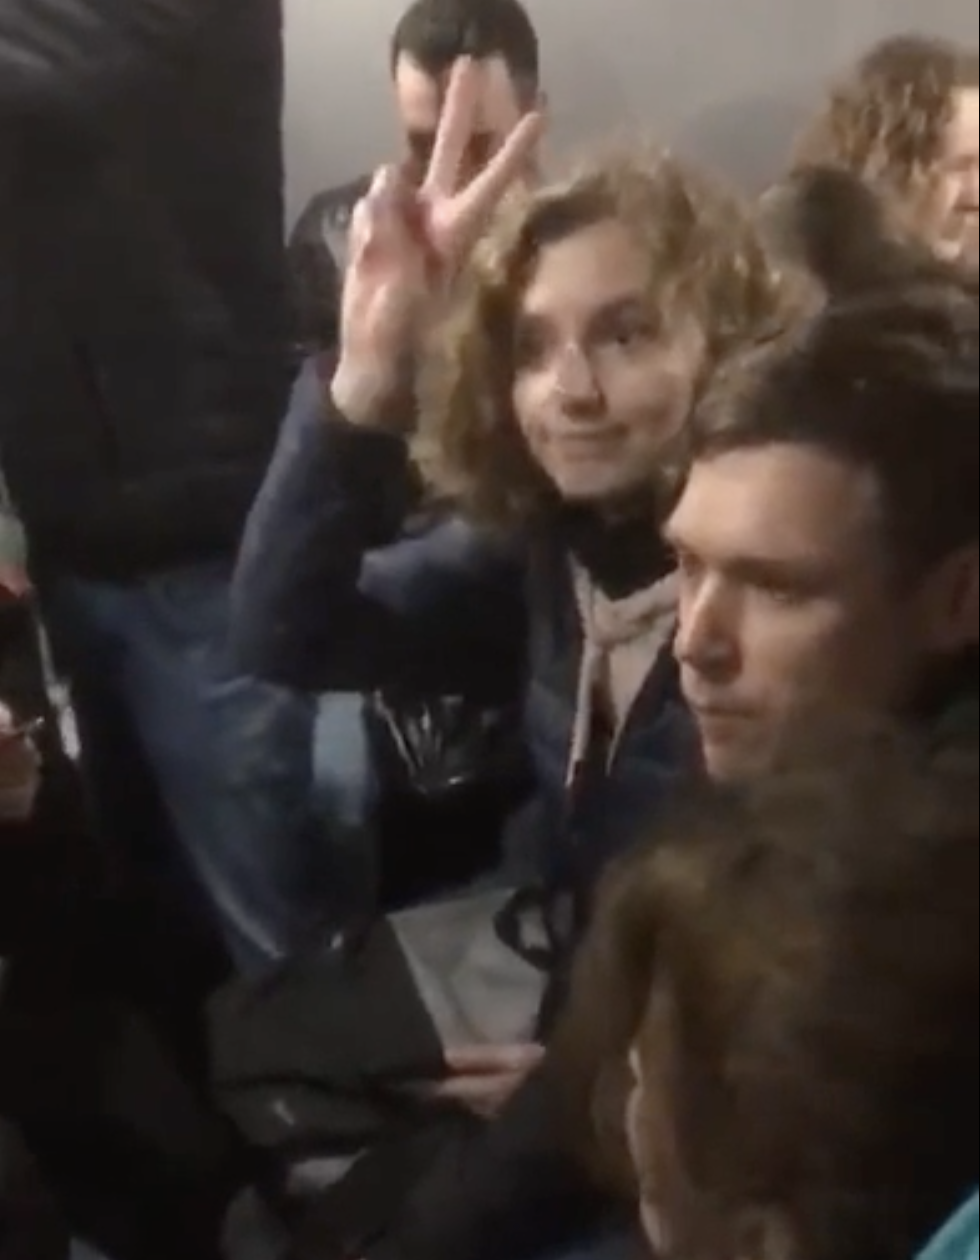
(508,1189)
(65,58)
(330,594)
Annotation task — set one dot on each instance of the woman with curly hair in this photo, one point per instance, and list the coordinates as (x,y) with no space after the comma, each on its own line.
(579,337)
(575,346)
(772,1036)
(559,361)
(904,120)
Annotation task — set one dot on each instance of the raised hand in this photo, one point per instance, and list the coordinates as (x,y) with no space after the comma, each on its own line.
(454,213)
(407,240)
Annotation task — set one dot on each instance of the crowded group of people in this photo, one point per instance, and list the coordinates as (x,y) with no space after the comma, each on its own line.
(633,516)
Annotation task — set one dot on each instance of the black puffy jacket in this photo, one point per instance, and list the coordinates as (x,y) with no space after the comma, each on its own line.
(30,1227)
(143,333)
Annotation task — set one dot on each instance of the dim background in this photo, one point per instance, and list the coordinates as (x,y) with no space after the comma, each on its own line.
(725,80)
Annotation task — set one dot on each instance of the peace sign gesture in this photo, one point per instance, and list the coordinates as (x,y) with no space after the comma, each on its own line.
(406,239)
(456,213)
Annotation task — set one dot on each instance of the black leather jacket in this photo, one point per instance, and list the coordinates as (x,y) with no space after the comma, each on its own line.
(144,359)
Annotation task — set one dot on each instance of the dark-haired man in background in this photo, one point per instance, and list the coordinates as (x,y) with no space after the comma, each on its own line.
(428,40)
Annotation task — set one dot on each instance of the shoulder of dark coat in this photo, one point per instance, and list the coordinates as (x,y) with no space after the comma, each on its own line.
(328,211)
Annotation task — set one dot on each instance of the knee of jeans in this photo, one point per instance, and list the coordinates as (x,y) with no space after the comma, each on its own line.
(344,780)
(263,737)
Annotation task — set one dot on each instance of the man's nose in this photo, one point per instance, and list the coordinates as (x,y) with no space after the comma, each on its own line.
(707,638)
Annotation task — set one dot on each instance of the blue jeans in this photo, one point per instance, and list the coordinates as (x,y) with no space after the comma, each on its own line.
(345,794)
(177,748)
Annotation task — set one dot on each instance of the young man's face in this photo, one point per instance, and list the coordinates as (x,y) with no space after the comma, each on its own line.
(419,97)
(957,184)
(599,383)
(787,599)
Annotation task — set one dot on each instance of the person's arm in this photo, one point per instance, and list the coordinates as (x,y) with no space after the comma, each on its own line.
(328,496)
(328,595)
(66,60)
(506,1190)
(31,1223)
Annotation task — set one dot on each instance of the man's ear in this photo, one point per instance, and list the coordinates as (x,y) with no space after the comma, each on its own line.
(951,602)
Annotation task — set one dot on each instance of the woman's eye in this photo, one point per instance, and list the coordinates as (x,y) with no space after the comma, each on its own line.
(529,348)
(627,334)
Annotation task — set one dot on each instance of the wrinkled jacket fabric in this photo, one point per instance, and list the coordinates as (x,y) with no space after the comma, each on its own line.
(318,604)
(144,356)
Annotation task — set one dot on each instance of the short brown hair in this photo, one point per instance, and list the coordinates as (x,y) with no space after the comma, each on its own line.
(437,33)
(885,121)
(827,222)
(887,381)
(796,964)
(706,260)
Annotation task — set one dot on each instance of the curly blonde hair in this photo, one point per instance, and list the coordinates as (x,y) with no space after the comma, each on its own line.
(707,263)
(886,120)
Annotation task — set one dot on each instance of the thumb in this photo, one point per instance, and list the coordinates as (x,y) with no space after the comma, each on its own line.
(491,1059)
(383,219)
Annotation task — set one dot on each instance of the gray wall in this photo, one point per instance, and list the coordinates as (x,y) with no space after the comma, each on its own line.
(725,80)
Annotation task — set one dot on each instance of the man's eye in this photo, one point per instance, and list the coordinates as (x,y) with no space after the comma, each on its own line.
(479,151)
(421,145)
(784,593)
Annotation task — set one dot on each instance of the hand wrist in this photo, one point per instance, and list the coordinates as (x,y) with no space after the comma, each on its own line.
(365,393)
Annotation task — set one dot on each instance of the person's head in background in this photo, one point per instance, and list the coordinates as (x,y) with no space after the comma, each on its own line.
(826,532)
(831,232)
(430,38)
(581,335)
(905,121)
(772,1029)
